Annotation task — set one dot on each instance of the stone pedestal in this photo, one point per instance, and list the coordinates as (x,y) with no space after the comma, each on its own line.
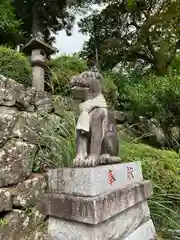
(102,203)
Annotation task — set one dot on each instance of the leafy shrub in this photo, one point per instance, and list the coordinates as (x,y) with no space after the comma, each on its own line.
(157,97)
(58,143)
(162,167)
(62,69)
(110,89)
(15,65)
(122,82)
(9,25)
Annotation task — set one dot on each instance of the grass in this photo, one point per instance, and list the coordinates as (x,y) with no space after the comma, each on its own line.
(57,144)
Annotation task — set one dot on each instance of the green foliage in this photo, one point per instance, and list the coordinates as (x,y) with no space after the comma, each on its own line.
(157,97)
(62,69)
(123,82)
(141,30)
(15,65)
(9,25)
(46,17)
(58,143)
(110,89)
(3,222)
(162,168)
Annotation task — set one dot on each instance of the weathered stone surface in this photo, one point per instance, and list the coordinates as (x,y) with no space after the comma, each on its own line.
(2,80)
(93,181)
(5,200)
(26,98)
(94,210)
(17,224)
(43,161)
(117,227)
(12,93)
(30,191)
(40,233)
(30,127)
(43,102)
(12,89)
(119,116)
(63,104)
(15,161)
(145,232)
(8,117)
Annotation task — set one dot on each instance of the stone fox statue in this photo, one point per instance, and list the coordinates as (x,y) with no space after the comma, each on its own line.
(97,141)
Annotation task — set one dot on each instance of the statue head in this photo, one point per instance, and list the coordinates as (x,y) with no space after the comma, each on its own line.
(86,85)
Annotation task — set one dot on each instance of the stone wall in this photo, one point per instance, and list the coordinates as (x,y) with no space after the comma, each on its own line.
(24,116)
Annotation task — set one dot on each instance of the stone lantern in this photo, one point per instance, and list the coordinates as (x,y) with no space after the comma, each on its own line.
(39,51)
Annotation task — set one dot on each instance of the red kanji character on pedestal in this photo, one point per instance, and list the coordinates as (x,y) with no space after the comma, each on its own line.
(111,178)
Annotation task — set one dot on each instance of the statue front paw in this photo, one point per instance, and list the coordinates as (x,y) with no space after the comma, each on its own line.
(78,161)
(91,161)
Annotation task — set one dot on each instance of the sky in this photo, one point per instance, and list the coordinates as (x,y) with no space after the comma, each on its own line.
(74,43)
(70,44)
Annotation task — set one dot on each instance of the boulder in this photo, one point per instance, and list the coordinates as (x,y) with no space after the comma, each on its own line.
(40,233)
(120,117)
(43,102)
(63,104)
(12,93)
(5,200)
(8,118)
(16,159)
(17,224)
(43,160)
(30,191)
(31,126)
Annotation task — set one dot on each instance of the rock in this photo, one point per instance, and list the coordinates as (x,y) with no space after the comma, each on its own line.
(156,132)
(2,81)
(119,116)
(15,161)
(40,233)
(43,161)
(8,118)
(12,93)
(63,104)
(32,126)
(29,127)
(26,98)
(5,200)
(175,132)
(43,102)
(30,191)
(17,223)
(129,117)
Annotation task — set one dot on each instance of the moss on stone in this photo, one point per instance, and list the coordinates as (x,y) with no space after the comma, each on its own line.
(160,166)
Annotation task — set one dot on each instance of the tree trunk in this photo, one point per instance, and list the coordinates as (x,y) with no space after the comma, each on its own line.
(36,24)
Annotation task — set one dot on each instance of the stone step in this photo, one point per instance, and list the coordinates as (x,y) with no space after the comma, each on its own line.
(131,224)
(94,210)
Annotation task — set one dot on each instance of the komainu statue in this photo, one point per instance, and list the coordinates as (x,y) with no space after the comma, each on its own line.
(97,141)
